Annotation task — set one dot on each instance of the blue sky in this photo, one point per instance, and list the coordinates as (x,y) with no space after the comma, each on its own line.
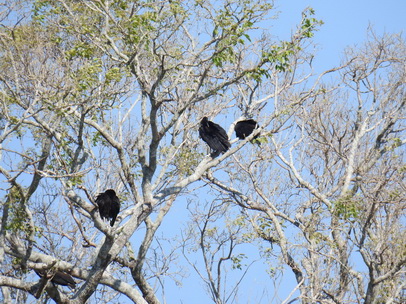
(345,23)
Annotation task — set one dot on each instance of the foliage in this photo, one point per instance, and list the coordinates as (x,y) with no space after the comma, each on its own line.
(109,94)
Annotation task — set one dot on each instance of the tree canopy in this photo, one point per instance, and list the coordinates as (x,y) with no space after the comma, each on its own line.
(109,94)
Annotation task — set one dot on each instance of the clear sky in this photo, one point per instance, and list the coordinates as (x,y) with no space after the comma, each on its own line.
(345,24)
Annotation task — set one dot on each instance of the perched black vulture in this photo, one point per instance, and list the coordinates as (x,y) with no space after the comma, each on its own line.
(63,279)
(109,205)
(60,278)
(244,128)
(214,136)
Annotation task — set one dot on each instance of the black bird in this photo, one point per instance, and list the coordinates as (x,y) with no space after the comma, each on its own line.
(109,205)
(215,136)
(244,128)
(60,278)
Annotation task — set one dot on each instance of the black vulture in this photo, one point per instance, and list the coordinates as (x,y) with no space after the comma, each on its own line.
(60,278)
(63,279)
(109,205)
(214,136)
(244,128)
